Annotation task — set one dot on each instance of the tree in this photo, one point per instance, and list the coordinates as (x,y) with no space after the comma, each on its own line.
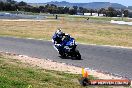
(75,8)
(111,12)
(35,9)
(102,11)
(83,10)
(80,9)
(7,7)
(42,8)
(72,11)
(1,6)
(12,5)
(126,12)
(66,10)
(91,11)
(60,10)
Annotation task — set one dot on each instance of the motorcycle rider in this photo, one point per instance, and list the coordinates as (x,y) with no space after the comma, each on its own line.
(65,44)
(58,38)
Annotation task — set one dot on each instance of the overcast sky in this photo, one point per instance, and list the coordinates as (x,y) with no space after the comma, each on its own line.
(123,2)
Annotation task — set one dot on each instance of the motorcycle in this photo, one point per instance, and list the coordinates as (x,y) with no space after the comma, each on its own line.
(69,49)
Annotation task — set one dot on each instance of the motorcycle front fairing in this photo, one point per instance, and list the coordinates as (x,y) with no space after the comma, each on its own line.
(70,45)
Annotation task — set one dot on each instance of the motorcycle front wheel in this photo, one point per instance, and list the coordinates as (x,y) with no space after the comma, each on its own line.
(62,54)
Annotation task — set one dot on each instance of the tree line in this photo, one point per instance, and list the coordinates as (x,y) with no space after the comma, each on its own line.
(12,5)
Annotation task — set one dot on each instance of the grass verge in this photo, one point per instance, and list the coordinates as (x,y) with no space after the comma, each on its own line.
(14,74)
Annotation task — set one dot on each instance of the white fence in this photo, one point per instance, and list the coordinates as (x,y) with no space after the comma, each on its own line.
(93,14)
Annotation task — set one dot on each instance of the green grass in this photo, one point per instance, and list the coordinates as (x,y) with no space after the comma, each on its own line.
(16,75)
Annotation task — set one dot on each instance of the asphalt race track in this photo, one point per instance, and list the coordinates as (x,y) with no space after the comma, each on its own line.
(4,15)
(108,59)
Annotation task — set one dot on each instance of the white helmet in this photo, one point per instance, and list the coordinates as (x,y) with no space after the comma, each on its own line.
(59,32)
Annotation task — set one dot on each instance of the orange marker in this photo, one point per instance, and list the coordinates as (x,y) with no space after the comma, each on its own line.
(84,73)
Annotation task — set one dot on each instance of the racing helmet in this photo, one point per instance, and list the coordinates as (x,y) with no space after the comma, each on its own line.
(59,33)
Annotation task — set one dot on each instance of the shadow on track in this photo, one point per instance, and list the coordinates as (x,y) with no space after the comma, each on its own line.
(72,58)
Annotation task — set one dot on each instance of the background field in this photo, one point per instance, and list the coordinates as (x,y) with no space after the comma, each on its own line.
(93,31)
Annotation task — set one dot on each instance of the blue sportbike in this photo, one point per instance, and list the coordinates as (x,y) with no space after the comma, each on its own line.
(67,48)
